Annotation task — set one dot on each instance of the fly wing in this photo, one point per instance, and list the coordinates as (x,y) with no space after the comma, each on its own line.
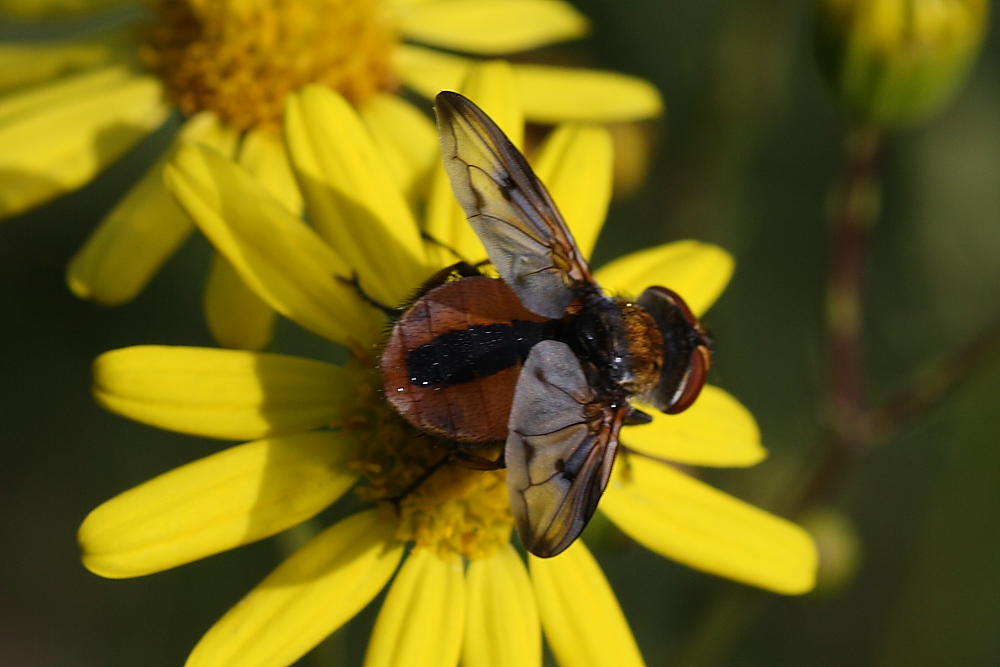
(560,448)
(525,236)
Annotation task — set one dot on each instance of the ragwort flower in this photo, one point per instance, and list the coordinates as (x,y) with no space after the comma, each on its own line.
(317,429)
(71,107)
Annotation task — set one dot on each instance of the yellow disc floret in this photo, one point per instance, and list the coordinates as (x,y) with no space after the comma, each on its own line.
(240,58)
(441,503)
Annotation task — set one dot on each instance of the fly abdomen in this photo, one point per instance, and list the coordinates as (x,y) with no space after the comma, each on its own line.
(452,360)
(464,355)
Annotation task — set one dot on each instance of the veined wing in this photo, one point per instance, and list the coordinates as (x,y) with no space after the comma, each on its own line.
(560,448)
(513,214)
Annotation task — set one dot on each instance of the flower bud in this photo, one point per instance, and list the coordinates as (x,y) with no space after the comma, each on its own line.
(897,62)
(839,548)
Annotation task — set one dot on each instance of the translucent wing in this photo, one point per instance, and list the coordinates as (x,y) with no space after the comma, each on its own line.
(510,209)
(560,448)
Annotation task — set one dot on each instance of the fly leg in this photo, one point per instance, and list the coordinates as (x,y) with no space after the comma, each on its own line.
(355,282)
(477,462)
(441,244)
(467,459)
(420,479)
(462,261)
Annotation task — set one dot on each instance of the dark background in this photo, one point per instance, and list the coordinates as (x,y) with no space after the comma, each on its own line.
(747,153)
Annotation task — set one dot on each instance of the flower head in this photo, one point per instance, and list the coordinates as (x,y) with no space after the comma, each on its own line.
(73,106)
(318,429)
(897,62)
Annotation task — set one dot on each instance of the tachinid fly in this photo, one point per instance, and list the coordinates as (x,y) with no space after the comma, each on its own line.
(541,359)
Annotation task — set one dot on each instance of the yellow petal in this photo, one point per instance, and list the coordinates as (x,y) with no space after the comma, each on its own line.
(235,497)
(491,87)
(57,137)
(576,164)
(583,622)
(690,522)
(351,196)
(314,592)
(407,140)
(236,316)
(502,626)
(492,27)
(420,623)
(428,72)
(45,9)
(263,154)
(228,394)
(26,63)
(556,94)
(697,271)
(715,431)
(278,256)
(143,230)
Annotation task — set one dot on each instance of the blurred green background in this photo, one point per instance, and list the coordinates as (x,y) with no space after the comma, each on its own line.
(745,158)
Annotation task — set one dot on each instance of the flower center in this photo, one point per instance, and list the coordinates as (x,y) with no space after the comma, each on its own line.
(448,507)
(240,58)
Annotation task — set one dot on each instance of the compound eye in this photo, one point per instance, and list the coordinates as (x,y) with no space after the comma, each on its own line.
(687,352)
(692,382)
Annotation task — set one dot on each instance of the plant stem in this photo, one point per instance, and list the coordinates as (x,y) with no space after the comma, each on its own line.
(856,210)
(932,386)
(846,403)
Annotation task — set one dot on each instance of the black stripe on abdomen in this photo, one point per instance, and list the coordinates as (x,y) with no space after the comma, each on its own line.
(464,355)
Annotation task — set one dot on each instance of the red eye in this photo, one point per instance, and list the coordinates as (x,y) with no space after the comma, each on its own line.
(687,350)
(675,299)
(693,380)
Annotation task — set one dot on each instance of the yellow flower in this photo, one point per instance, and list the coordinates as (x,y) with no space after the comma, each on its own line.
(70,107)
(461,590)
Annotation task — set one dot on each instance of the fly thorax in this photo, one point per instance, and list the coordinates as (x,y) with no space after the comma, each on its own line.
(620,341)
(644,344)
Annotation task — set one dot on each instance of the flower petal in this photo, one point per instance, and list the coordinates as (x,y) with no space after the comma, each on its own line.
(143,230)
(351,196)
(501,626)
(697,271)
(278,256)
(688,521)
(235,497)
(420,623)
(57,137)
(549,94)
(406,139)
(263,154)
(715,431)
(492,27)
(428,72)
(315,591)
(227,394)
(556,94)
(26,63)
(576,164)
(236,316)
(583,622)
(491,87)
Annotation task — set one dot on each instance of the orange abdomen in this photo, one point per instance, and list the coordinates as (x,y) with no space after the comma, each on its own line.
(452,360)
